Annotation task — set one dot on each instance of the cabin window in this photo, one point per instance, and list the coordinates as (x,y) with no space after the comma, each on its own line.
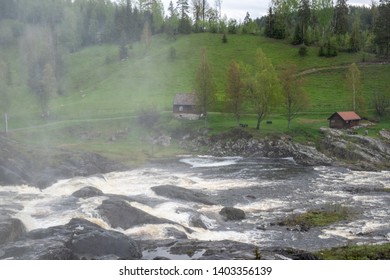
(181,109)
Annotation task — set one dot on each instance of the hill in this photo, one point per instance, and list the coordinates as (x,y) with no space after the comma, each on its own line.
(103,96)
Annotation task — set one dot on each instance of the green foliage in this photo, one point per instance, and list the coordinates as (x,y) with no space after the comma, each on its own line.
(303,51)
(204,84)
(330,214)
(357,252)
(224,39)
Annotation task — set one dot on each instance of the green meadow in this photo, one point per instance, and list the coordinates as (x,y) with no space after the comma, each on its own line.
(102,95)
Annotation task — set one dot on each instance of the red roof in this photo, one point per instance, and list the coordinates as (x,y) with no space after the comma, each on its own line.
(347,116)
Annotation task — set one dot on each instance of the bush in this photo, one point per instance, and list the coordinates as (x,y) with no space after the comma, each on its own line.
(224,39)
(303,51)
(123,52)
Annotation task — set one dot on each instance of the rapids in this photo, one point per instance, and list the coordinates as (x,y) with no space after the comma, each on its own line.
(268,190)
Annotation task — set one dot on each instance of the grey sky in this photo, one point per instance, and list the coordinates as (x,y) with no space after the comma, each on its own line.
(237,8)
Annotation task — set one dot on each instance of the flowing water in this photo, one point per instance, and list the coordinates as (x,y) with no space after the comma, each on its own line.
(268,190)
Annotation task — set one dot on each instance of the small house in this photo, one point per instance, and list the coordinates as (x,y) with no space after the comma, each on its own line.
(344,120)
(185,106)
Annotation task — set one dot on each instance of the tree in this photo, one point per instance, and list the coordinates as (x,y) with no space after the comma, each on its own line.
(295,98)
(235,90)
(381,101)
(42,62)
(341,17)
(4,96)
(263,87)
(354,83)
(146,37)
(382,27)
(323,12)
(355,39)
(184,19)
(204,84)
(304,15)
(48,89)
(172,22)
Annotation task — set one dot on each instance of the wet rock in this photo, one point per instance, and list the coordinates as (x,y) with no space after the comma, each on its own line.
(365,153)
(232,214)
(179,193)
(175,234)
(21,165)
(120,214)
(294,254)
(10,229)
(87,192)
(9,177)
(79,239)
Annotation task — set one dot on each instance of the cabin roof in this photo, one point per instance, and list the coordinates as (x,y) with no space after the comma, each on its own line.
(346,116)
(184,99)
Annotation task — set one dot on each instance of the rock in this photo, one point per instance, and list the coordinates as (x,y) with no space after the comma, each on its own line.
(10,229)
(355,151)
(21,165)
(9,177)
(87,192)
(385,134)
(179,193)
(199,250)
(120,214)
(232,214)
(79,239)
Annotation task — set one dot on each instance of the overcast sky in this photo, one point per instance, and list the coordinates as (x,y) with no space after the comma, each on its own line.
(237,8)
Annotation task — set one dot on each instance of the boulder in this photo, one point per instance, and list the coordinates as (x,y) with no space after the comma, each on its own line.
(10,229)
(79,239)
(120,214)
(87,192)
(232,214)
(174,192)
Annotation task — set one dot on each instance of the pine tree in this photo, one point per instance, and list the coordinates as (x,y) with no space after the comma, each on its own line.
(382,27)
(341,17)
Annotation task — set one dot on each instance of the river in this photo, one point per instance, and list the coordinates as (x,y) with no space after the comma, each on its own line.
(267,190)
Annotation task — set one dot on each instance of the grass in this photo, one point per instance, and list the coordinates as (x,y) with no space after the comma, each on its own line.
(318,218)
(102,94)
(357,252)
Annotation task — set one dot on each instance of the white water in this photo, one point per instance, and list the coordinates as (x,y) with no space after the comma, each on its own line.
(265,189)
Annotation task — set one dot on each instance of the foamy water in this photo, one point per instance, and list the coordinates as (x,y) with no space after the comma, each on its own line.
(267,190)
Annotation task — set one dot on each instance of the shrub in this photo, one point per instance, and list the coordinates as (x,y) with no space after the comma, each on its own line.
(224,39)
(303,51)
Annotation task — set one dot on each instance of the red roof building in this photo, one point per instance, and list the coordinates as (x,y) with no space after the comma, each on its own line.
(344,120)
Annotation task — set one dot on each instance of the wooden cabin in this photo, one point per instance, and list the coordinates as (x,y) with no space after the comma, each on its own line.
(185,106)
(344,120)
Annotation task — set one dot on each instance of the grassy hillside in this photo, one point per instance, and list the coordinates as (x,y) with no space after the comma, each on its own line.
(103,95)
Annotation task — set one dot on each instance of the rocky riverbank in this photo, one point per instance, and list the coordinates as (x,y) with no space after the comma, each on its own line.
(336,147)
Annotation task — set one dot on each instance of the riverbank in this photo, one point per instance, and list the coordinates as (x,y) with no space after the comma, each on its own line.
(335,147)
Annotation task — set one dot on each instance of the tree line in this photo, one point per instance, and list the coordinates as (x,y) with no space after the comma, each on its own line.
(333,26)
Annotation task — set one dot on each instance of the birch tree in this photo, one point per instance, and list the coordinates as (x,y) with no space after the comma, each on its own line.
(263,87)
(354,84)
